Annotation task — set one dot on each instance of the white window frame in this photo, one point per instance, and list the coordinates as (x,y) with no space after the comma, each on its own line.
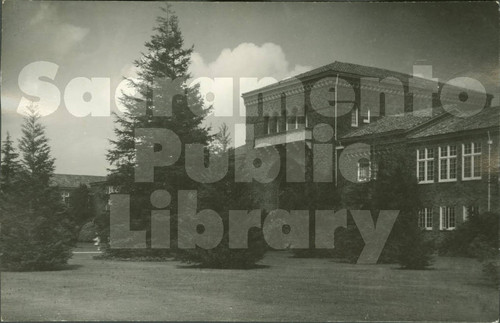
(471,155)
(447,211)
(364,180)
(356,114)
(426,161)
(367,120)
(65,195)
(448,159)
(465,211)
(427,215)
(112,189)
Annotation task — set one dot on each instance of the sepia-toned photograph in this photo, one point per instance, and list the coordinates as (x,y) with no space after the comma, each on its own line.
(249,161)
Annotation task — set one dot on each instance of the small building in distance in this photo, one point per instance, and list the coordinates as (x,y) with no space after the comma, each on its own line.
(68,183)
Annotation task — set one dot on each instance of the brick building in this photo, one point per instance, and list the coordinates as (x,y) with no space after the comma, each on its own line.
(311,118)
(67,184)
(454,159)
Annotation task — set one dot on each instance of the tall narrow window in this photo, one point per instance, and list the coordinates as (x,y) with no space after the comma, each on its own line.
(367,119)
(448,163)
(425,218)
(364,170)
(267,127)
(470,210)
(354,117)
(425,165)
(382,104)
(447,218)
(471,161)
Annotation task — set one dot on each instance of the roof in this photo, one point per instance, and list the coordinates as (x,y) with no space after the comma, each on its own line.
(399,122)
(347,68)
(487,118)
(74,181)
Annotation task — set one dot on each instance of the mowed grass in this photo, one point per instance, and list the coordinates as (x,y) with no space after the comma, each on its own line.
(289,289)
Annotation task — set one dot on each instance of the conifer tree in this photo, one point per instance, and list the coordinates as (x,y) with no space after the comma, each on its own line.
(9,165)
(163,99)
(36,229)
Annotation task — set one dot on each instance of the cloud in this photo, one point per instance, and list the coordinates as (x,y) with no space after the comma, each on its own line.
(247,60)
(61,36)
(267,63)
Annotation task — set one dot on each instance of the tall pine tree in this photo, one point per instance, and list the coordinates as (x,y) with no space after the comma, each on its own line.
(163,100)
(9,167)
(36,229)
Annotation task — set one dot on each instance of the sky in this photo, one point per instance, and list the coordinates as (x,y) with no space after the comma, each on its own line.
(265,41)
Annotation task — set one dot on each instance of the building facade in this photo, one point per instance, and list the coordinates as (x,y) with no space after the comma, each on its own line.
(67,184)
(312,118)
(455,161)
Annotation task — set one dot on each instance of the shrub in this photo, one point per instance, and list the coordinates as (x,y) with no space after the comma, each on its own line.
(34,241)
(348,243)
(415,251)
(87,232)
(224,257)
(477,237)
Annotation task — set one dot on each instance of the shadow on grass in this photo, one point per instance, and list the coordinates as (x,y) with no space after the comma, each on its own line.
(198,266)
(35,270)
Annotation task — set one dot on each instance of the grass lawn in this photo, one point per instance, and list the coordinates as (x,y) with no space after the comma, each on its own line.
(289,289)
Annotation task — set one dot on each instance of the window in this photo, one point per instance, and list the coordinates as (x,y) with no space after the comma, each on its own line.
(447,163)
(65,197)
(113,189)
(425,165)
(470,210)
(267,125)
(354,117)
(425,218)
(367,120)
(471,161)
(447,218)
(293,123)
(273,125)
(363,170)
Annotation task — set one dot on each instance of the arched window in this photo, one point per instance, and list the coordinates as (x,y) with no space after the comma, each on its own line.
(273,124)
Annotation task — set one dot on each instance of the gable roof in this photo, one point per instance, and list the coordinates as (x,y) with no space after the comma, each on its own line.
(487,118)
(74,181)
(394,123)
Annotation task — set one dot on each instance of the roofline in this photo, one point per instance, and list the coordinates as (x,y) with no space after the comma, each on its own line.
(452,134)
(302,78)
(405,131)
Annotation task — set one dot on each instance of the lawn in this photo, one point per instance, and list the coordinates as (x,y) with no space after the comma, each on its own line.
(287,289)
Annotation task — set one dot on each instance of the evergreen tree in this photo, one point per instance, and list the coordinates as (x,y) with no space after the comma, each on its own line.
(37,163)
(166,60)
(9,167)
(36,229)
